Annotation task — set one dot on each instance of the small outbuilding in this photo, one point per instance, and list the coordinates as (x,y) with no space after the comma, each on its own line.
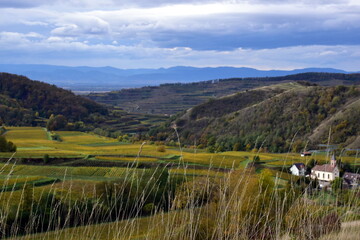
(351,180)
(304,154)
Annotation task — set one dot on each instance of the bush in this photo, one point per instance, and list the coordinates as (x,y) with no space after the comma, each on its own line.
(46,158)
(161,148)
(58,122)
(6,146)
(55,137)
(149,208)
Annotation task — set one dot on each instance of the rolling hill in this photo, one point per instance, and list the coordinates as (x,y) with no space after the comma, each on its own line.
(174,98)
(110,78)
(280,117)
(24,102)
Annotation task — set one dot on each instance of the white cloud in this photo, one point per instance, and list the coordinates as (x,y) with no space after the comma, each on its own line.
(67,50)
(263,33)
(15,37)
(80,24)
(35,23)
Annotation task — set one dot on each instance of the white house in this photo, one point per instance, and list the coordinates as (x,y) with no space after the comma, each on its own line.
(298,169)
(325,173)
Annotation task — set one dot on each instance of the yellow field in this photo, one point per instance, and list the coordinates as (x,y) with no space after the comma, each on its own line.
(11,180)
(83,138)
(197,172)
(128,159)
(63,172)
(33,142)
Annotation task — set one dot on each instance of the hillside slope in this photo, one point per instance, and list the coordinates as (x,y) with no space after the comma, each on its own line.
(174,98)
(23,100)
(280,117)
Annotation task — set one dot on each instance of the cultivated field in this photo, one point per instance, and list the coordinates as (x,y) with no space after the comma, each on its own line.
(82,168)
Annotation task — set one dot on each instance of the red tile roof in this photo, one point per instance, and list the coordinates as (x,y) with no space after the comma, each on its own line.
(324,168)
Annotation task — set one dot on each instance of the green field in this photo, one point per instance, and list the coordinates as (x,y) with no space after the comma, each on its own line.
(81,162)
(34,143)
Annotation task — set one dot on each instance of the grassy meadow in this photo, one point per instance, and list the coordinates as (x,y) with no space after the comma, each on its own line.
(84,186)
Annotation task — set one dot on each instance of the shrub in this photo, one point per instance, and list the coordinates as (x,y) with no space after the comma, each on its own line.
(256,159)
(149,208)
(46,158)
(6,146)
(56,122)
(161,148)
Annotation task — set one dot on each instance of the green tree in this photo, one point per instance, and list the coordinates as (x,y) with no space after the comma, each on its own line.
(46,158)
(56,122)
(256,159)
(6,146)
(336,185)
(311,164)
(3,144)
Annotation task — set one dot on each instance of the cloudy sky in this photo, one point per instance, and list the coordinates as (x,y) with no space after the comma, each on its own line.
(264,34)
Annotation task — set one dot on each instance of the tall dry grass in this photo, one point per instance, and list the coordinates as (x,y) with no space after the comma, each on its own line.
(151,204)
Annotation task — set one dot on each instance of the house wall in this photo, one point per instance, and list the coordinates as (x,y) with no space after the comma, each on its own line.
(294,170)
(326,176)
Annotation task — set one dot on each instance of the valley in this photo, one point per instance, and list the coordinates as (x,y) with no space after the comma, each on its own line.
(77,168)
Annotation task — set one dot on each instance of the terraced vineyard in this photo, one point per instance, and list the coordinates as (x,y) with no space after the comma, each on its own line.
(33,143)
(85,170)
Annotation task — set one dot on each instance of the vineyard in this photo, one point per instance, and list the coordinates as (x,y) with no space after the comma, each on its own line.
(84,169)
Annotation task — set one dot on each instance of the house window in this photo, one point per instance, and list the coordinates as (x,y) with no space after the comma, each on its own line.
(323,175)
(328,176)
(318,175)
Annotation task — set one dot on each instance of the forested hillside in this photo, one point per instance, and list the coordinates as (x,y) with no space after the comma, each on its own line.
(277,118)
(173,98)
(22,101)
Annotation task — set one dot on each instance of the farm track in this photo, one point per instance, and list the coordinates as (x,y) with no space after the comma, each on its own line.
(81,162)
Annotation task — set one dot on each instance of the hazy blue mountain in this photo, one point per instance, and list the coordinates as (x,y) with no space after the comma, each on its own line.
(106,78)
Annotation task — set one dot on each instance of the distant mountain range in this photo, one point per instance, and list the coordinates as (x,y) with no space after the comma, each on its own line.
(110,78)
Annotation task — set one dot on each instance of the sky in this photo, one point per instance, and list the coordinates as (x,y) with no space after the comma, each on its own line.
(263,34)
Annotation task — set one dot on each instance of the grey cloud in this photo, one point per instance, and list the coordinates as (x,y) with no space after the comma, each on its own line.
(256,31)
(153,3)
(21,3)
(146,3)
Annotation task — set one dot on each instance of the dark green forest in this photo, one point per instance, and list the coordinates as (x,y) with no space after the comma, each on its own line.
(22,101)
